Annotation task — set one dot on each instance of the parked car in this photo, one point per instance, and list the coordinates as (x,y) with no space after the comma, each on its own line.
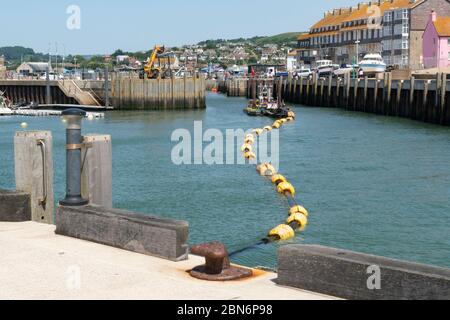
(52,76)
(303,73)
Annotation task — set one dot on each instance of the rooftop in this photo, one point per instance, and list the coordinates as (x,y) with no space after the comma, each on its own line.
(442,25)
(363,11)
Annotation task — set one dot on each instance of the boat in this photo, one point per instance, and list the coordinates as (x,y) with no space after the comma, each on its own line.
(344,70)
(372,63)
(4,110)
(325,68)
(266,105)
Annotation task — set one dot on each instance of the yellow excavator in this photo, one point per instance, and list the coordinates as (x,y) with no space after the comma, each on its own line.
(149,71)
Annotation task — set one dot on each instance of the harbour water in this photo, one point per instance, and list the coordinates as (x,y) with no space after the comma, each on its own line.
(373,184)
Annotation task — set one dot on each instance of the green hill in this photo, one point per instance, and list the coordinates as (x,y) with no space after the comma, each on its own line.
(279,39)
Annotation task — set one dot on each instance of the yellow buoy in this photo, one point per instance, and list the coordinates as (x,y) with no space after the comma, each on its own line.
(258,132)
(283,120)
(299,209)
(268,128)
(291,114)
(249,140)
(283,232)
(289,119)
(246,148)
(249,155)
(278,178)
(301,219)
(286,187)
(267,170)
(276,125)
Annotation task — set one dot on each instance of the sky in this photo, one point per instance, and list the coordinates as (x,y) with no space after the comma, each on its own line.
(133,25)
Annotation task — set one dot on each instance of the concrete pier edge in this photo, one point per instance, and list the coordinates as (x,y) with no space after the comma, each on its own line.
(15,206)
(163,238)
(358,276)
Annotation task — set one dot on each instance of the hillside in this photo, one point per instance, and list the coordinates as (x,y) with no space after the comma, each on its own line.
(288,38)
(280,39)
(16,53)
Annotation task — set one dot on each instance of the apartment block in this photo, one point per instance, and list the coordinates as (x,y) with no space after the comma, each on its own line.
(393,28)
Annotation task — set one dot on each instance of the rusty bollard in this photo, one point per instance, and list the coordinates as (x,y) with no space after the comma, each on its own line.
(217,266)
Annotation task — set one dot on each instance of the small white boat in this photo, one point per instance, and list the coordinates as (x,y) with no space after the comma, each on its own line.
(372,63)
(325,67)
(4,110)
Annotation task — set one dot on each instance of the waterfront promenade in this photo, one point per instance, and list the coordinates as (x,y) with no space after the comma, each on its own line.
(42,265)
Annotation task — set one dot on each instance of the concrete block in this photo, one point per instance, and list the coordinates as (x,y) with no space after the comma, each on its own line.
(351,275)
(96,175)
(135,232)
(14,206)
(34,172)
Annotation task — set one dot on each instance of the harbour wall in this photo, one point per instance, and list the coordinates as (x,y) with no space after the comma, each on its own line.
(422,100)
(122,92)
(234,87)
(131,93)
(34,91)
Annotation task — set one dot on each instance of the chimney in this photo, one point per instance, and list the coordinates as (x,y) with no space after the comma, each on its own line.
(433,16)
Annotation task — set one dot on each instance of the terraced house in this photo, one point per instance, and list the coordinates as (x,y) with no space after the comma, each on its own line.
(393,28)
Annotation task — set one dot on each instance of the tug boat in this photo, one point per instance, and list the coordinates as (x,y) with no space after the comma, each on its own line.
(265,105)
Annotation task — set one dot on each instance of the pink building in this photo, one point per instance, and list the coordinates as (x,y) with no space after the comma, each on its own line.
(436,42)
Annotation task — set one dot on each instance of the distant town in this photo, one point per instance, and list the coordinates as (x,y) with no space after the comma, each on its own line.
(405,37)
(208,55)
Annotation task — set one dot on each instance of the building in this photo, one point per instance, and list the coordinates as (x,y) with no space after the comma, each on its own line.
(393,28)
(122,59)
(29,69)
(2,68)
(167,61)
(291,61)
(436,42)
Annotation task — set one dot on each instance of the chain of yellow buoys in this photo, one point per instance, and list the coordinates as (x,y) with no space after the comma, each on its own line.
(298,215)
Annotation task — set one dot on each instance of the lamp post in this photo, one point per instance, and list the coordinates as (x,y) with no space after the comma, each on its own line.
(357,42)
(74,140)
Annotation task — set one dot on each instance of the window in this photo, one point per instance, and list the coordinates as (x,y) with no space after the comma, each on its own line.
(405,60)
(405,14)
(405,44)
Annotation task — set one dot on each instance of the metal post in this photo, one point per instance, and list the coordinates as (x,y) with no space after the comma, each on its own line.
(73,158)
(106,87)
(47,84)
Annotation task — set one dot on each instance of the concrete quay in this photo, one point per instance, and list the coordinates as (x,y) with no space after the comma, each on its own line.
(38,264)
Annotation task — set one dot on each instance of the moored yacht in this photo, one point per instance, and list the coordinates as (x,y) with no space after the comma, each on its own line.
(372,63)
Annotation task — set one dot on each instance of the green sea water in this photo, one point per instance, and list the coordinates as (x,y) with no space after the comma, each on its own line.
(373,184)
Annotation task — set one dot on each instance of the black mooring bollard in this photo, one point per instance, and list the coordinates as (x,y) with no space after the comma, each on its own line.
(73,158)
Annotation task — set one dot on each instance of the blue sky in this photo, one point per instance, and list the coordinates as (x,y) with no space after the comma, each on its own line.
(139,24)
